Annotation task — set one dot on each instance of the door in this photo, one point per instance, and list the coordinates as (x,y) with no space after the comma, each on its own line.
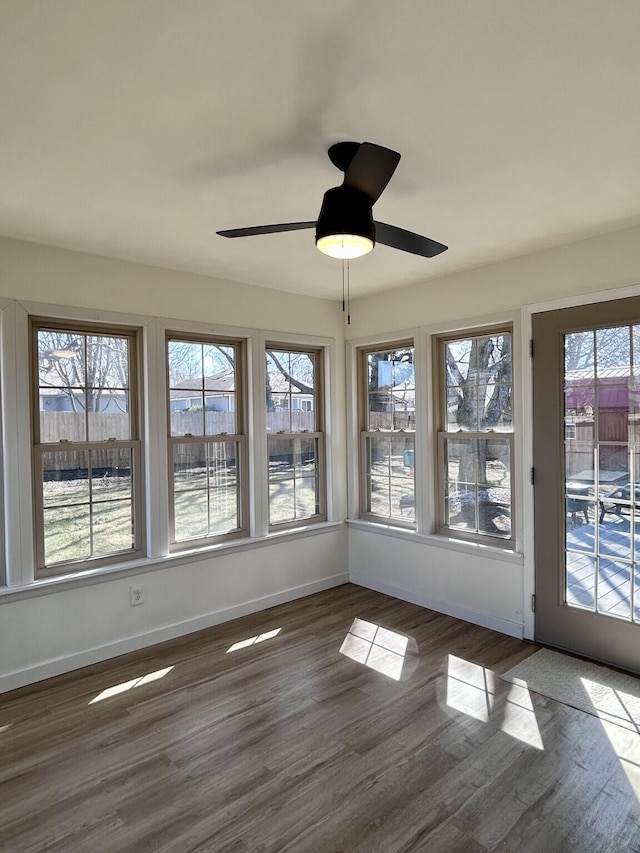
(586,371)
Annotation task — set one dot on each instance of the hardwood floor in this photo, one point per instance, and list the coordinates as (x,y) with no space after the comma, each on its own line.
(288,744)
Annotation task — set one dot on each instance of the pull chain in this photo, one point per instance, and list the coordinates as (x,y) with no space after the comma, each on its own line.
(346,279)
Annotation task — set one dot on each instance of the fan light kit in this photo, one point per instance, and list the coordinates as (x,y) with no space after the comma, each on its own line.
(344,245)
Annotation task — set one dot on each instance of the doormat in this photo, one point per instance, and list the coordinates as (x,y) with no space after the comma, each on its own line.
(597,690)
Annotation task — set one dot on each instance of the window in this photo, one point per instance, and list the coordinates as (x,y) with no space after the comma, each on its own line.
(207,439)
(86,444)
(388,412)
(295,435)
(475,437)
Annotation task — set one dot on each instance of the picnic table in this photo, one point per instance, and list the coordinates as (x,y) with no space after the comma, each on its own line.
(617,500)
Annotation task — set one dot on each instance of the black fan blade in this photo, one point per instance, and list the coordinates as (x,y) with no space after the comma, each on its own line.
(407,241)
(371,169)
(266,229)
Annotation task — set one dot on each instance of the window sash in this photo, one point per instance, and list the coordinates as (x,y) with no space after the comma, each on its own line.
(92,502)
(477,504)
(396,418)
(88,330)
(398,487)
(313,419)
(319,479)
(240,491)
(232,417)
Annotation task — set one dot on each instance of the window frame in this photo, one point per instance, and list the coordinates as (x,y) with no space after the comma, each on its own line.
(240,437)
(135,444)
(319,434)
(365,433)
(442,435)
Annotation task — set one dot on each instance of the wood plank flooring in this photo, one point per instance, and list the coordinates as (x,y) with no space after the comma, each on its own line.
(389,733)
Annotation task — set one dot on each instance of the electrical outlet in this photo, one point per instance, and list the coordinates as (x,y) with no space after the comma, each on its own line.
(137,595)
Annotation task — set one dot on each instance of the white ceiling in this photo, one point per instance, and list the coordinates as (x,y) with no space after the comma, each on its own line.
(136,129)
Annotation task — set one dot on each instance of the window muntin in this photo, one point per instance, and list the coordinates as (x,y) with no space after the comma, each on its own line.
(86,445)
(295,435)
(207,441)
(475,441)
(387,437)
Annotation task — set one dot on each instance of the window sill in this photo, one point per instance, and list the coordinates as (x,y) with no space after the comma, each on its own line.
(493,552)
(44,586)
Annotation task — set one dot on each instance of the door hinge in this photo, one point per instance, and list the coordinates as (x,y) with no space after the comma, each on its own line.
(533,602)
(532,476)
(531,347)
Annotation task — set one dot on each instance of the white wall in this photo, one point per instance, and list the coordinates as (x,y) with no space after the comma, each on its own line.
(44,274)
(487,587)
(476,585)
(588,267)
(44,633)
(48,627)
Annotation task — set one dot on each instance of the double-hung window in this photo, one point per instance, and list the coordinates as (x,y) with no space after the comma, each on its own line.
(207,439)
(387,434)
(87,450)
(295,435)
(475,435)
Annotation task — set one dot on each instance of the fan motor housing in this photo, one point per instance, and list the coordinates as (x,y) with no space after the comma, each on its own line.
(345,210)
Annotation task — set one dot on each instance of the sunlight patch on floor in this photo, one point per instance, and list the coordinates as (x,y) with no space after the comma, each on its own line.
(251,641)
(613,705)
(626,745)
(471,688)
(376,647)
(124,686)
(619,714)
(520,718)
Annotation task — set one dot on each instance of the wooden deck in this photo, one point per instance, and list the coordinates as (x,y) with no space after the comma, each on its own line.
(610,579)
(347,722)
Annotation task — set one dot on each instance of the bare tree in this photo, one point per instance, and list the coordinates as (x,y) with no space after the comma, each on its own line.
(89,370)
(296,368)
(190,361)
(479,378)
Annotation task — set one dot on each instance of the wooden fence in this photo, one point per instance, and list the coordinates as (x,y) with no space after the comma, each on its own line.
(71,426)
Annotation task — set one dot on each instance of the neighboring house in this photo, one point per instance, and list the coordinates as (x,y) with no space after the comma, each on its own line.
(112,401)
(220,397)
(287,397)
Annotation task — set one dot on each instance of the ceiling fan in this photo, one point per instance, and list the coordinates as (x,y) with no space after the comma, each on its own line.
(345,227)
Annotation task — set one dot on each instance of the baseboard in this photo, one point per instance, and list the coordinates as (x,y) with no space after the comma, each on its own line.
(486,620)
(58,666)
